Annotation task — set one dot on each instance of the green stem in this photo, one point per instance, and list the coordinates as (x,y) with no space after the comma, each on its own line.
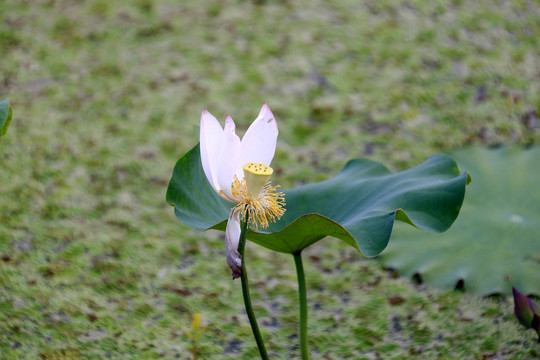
(303,304)
(245,292)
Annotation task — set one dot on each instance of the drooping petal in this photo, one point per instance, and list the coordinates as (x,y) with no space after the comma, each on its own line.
(211,134)
(229,158)
(232,237)
(259,142)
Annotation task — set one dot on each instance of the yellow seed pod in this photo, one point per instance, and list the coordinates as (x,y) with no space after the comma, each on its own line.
(256,177)
(258,169)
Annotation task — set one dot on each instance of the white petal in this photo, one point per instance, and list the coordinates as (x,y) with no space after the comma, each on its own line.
(211,134)
(232,238)
(259,142)
(229,158)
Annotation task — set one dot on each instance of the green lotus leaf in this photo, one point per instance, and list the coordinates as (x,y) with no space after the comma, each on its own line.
(495,242)
(5,116)
(358,206)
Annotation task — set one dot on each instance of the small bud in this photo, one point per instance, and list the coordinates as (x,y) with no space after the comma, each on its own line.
(196,321)
(527,311)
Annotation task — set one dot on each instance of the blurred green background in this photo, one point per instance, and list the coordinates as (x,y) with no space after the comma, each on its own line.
(106,96)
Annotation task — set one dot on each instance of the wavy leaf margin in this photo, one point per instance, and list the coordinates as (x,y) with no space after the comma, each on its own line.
(358,206)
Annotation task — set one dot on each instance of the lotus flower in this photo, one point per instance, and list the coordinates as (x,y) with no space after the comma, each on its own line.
(238,171)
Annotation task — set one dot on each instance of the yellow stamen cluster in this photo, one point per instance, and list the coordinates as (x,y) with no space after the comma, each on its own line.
(261,202)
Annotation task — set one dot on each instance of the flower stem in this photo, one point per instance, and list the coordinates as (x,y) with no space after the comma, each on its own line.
(303,304)
(245,292)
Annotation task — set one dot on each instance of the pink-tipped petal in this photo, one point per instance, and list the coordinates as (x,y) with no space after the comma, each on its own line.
(259,142)
(229,158)
(211,134)
(232,238)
